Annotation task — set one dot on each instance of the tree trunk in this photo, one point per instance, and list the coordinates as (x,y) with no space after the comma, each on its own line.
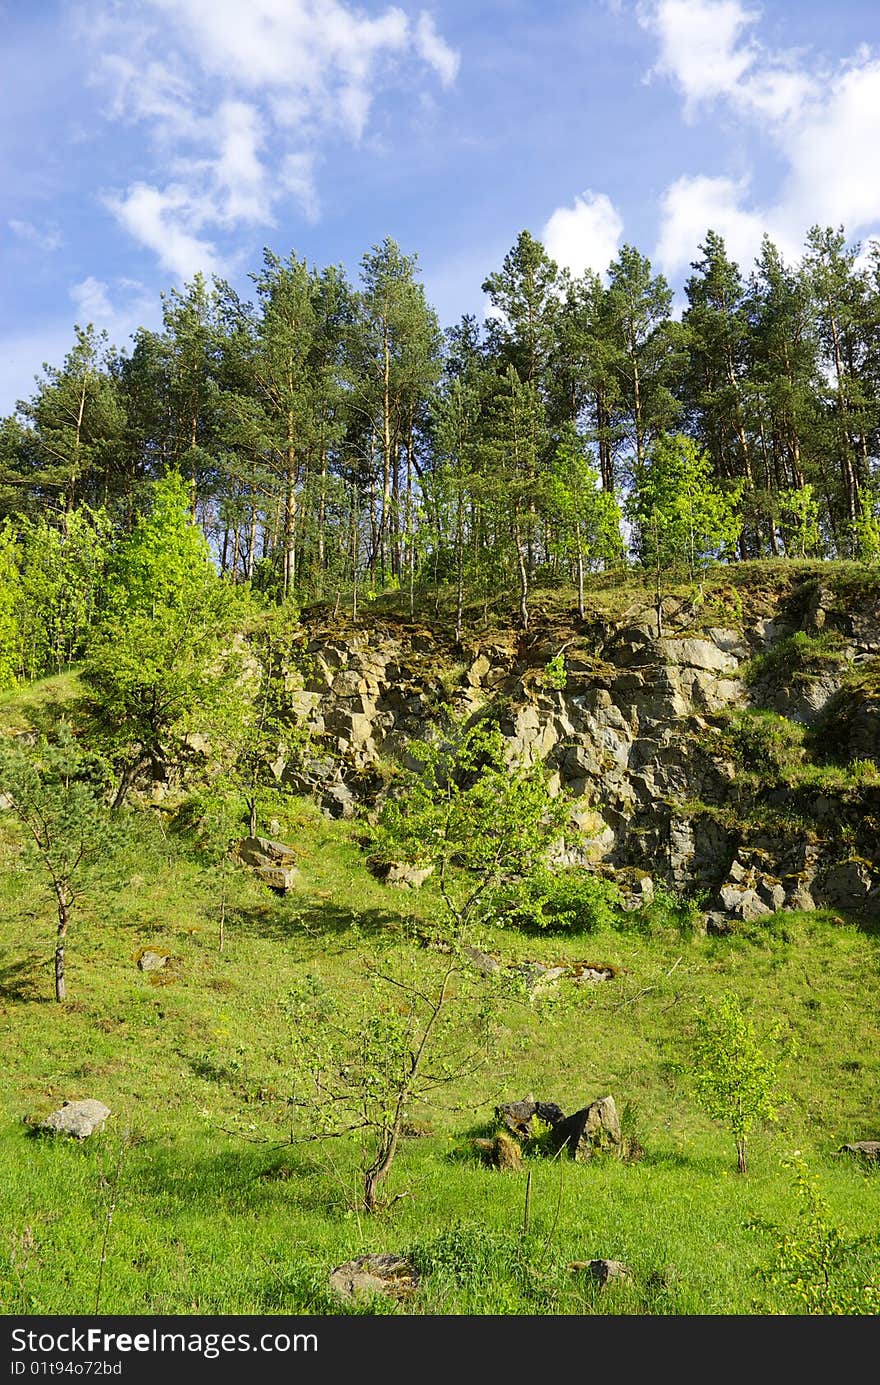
(60,940)
(459,570)
(377,1172)
(523,575)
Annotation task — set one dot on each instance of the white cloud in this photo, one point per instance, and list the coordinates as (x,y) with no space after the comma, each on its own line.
(164,222)
(832,150)
(293,75)
(699,45)
(243,193)
(435,50)
(49,239)
(586,235)
(118,308)
(91,300)
(824,126)
(297,175)
(692,206)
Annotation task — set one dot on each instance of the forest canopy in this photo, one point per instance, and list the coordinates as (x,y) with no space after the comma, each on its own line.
(333,439)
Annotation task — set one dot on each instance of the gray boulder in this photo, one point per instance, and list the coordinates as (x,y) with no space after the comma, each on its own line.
(593,1130)
(603,1271)
(152,961)
(392,1275)
(77,1118)
(262,851)
(406,874)
(273,863)
(853,886)
(863,1149)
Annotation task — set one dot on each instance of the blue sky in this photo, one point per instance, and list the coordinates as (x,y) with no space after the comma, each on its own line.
(143,140)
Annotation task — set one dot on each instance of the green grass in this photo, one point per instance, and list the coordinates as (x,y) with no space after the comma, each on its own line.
(719,594)
(213,1212)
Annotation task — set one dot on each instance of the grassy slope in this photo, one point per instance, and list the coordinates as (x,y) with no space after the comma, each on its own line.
(209,1221)
(213,1213)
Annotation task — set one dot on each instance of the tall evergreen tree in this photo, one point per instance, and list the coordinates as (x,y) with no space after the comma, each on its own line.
(643,343)
(73,427)
(399,365)
(847,325)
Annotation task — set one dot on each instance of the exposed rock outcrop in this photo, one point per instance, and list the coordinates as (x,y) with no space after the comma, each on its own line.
(636,738)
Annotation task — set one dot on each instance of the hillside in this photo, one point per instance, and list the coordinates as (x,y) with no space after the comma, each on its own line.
(724,779)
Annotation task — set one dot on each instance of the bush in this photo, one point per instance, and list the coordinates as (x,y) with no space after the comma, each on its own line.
(668,910)
(573,900)
(799,654)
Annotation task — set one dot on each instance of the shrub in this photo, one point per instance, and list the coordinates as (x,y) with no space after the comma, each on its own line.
(572,900)
(818,1271)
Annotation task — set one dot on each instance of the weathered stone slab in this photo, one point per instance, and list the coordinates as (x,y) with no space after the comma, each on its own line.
(277,877)
(392,1275)
(863,1149)
(262,851)
(603,1271)
(77,1118)
(502,1152)
(152,961)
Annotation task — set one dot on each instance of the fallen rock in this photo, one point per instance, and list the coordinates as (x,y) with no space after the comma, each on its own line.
(853,886)
(406,874)
(593,1130)
(483,961)
(517,1115)
(262,851)
(77,1118)
(502,1152)
(392,1275)
(744,903)
(151,961)
(603,1271)
(719,925)
(863,1149)
(537,976)
(277,877)
(274,863)
(582,972)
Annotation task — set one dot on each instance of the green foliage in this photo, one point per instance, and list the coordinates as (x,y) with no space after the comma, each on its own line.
(761,741)
(569,900)
(539,1138)
(249,729)
(166,560)
(213,1195)
(10,585)
(589,517)
(479,820)
(733,1077)
(797,654)
(62,591)
(799,522)
(667,910)
(555,675)
(419,1027)
(818,1270)
(163,660)
(680,514)
(866,528)
(57,790)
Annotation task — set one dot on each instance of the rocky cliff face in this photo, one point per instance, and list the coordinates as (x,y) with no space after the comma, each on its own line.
(672,769)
